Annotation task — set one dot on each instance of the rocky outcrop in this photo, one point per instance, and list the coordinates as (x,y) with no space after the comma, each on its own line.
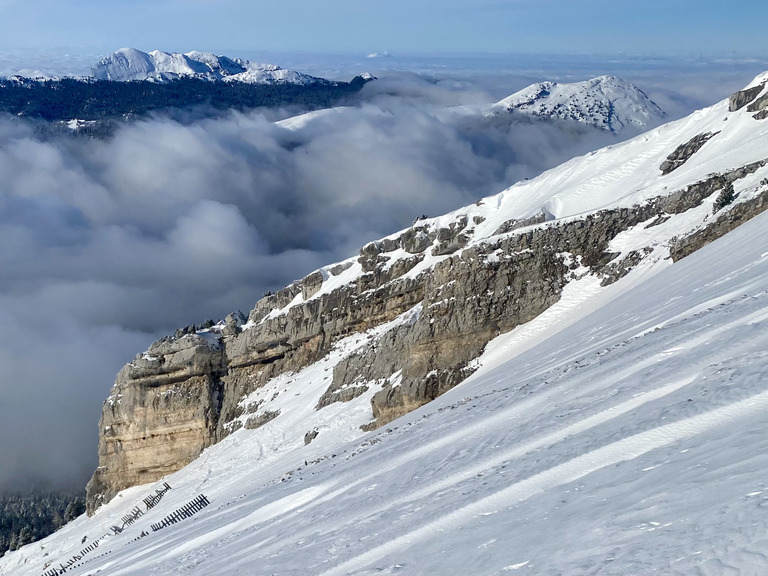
(683,152)
(759,104)
(723,224)
(162,412)
(449,292)
(739,99)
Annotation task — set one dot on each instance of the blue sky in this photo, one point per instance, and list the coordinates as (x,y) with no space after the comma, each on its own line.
(399,26)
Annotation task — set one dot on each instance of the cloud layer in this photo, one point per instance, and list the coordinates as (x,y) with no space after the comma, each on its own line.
(107,244)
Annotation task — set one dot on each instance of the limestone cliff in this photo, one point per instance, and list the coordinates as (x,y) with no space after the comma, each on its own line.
(470,275)
(162,412)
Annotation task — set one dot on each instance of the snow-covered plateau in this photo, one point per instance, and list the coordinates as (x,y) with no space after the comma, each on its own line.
(624,430)
(129,64)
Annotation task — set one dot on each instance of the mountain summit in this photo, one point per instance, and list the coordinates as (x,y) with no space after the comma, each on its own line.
(606,102)
(129,64)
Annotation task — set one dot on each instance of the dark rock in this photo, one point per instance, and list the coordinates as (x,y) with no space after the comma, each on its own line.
(415,240)
(759,104)
(233,322)
(682,153)
(311,284)
(339,268)
(309,436)
(452,238)
(743,97)
(258,421)
(723,224)
(511,225)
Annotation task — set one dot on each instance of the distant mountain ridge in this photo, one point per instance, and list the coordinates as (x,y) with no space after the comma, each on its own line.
(605,102)
(129,64)
(130,83)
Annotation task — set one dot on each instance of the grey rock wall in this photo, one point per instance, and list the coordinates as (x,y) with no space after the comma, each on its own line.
(185,392)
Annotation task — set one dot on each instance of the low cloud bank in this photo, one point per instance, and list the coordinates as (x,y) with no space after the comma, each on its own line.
(107,244)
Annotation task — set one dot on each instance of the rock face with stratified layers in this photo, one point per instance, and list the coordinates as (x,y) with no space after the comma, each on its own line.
(162,412)
(464,278)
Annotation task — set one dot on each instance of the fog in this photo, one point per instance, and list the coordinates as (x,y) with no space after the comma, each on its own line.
(106,245)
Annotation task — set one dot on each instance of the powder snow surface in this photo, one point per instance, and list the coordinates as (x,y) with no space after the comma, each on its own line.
(623,431)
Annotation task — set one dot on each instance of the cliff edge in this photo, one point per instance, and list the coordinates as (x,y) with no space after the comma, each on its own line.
(428,299)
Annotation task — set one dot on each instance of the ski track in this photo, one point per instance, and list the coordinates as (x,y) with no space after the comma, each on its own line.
(626,449)
(682,337)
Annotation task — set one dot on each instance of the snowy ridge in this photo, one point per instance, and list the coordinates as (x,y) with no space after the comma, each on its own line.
(623,431)
(605,102)
(621,175)
(129,64)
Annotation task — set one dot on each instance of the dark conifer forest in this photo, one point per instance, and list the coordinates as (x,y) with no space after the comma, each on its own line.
(70,98)
(28,516)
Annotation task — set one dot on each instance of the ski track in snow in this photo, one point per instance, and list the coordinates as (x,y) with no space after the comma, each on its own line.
(626,449)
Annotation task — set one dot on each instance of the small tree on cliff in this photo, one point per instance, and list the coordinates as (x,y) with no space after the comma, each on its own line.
(725,197)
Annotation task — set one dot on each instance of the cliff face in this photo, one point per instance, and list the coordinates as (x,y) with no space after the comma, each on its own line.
(464,278)
(162,412)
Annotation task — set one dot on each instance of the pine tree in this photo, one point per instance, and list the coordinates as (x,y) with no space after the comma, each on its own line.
(725,197)
(26,536)
(74,509)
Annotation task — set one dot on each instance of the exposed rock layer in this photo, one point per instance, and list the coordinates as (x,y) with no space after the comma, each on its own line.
(683,152)
(162,413)
(458,291)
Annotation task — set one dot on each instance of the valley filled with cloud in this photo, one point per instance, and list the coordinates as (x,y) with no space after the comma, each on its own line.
(108,244)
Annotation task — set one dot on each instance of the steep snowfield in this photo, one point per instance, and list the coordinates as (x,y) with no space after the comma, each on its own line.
(623,431)
(129,64)
(605,102)
(632,441)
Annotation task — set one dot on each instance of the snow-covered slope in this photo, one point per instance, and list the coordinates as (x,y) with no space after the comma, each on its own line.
(129,64)
(605,102)
(622,431)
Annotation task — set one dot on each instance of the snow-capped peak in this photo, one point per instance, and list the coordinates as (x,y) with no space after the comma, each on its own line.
(605,102)
(129,64)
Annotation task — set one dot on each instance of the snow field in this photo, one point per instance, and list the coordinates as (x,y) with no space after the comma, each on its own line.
(630,440)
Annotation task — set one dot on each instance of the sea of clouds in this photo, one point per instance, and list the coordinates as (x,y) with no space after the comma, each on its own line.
(108,244)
